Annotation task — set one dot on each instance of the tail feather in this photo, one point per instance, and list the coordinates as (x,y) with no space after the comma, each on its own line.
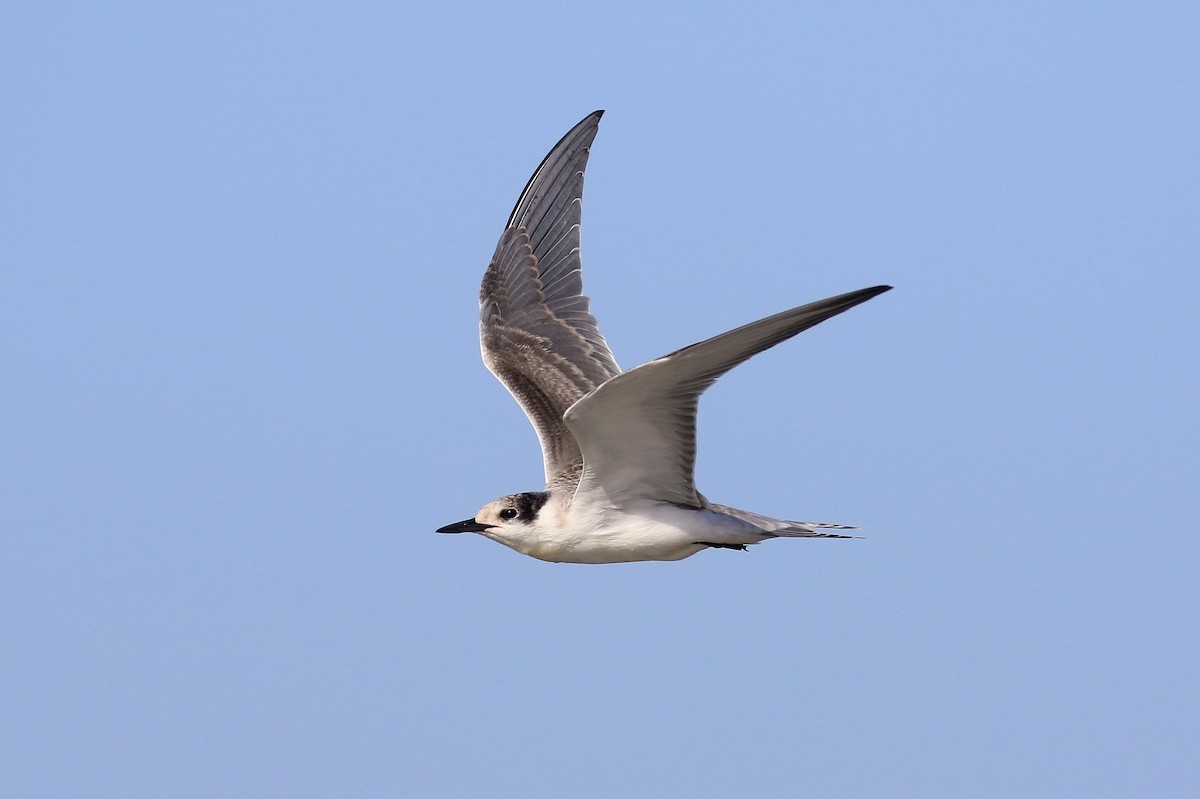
(784,527)
(812,530)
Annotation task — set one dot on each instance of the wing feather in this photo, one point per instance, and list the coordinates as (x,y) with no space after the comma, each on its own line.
(536,329)
(638,430)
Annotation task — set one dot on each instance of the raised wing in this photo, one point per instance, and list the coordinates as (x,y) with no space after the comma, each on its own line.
(638,430)
(536,331)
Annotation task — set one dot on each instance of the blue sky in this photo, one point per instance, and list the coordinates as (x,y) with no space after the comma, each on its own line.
(240,248)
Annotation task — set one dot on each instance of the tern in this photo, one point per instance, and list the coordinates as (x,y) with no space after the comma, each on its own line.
(619,448)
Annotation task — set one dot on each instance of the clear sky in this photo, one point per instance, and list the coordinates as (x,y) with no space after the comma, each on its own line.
(240,245)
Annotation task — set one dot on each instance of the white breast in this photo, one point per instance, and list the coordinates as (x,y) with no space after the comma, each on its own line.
(644,531)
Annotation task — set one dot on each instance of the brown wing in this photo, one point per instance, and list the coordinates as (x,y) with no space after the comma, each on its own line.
(536,331)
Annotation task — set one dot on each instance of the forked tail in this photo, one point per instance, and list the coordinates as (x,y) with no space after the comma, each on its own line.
(785,528)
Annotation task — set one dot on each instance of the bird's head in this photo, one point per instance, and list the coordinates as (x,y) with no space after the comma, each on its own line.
(503,519)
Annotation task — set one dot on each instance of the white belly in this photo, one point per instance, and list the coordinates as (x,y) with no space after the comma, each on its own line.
(647,531)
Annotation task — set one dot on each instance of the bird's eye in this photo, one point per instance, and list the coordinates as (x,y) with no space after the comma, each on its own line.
(508,513)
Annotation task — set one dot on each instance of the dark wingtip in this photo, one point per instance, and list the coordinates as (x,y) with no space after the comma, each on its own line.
(862,295)
(852,298)
(584,130)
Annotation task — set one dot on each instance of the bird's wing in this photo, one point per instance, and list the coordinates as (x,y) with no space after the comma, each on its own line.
(536,331)
(638,430)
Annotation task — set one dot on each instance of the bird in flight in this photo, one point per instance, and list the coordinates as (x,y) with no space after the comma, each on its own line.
(619,448)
